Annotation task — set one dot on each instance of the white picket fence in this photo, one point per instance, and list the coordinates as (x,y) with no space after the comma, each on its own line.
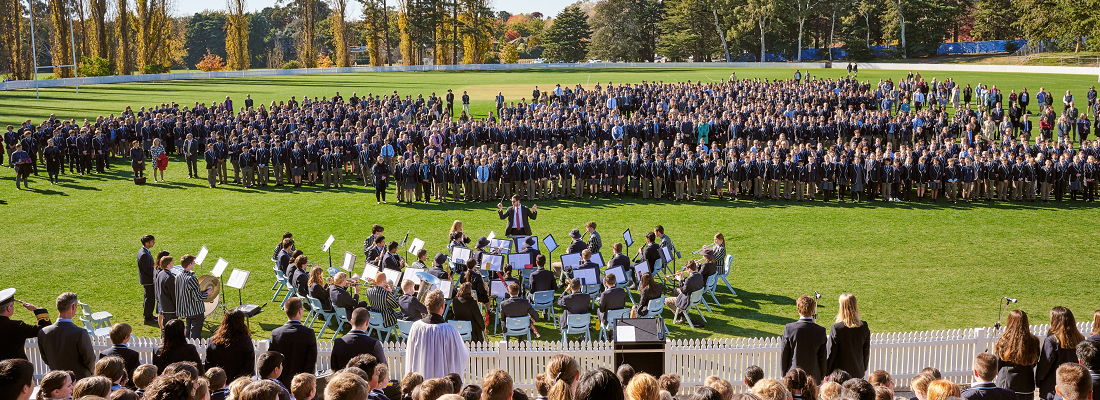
(903,354)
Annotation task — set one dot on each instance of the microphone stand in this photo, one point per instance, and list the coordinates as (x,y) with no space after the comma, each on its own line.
(997,326)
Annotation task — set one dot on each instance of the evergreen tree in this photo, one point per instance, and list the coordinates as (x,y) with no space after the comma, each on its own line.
(567,38)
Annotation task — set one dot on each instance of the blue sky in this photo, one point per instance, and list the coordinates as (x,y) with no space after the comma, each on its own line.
(547,7)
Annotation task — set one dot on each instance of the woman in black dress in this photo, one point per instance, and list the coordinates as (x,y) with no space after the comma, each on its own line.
(231,347)
(465,308)
(381,173)
(1017,352)
(174,347)
(137,159)
(849,340)
(1059,347)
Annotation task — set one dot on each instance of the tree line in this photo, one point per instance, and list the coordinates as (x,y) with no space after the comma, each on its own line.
(145,36)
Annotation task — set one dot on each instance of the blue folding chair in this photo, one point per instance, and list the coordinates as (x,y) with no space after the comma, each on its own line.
(375,324)
(579,324)
(280,283)
(544,302)
(659,270)
(517,326)
(319,311)
(465,329)
(405,327)
(654,310)
(723,275)
(341,318)
(712,285)
(610,318)
(696,298)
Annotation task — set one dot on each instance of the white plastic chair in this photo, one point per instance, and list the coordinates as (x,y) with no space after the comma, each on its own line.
(725,274)
(101,319)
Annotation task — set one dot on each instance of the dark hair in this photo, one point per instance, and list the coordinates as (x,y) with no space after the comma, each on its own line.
(293,307)
(540,260)
(365,362)
(188,367)
(216,377)
(519,394)
(169,387)
(601,384)
(798,379)
(625,372)
(456,381)
(186,260)
(650,236)
(1088,354)
(146,239)
(659,228)
(268,362)
(838,375)
(669,382)
(359,317)
(173,336)
(860,388)
(232,329)
(376,228)
(470,392)
(15,374)
(754,374)
(706,393)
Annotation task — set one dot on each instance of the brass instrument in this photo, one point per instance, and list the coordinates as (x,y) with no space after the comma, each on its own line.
(214,285)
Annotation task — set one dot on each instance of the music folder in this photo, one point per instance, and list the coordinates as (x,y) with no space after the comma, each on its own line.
(597,258)
(629,240)
(491,262)
(520,261)
(410,275)
(369,271)
(392,276)
(642,268)
(459,255)
(328,243)
(570,261)
(445,287)
(237,279)
(587,276)
(349,261)
(620,275)
(416,245)
(219,267)
(666,254)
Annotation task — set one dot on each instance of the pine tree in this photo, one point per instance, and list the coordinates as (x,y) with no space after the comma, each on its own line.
(567,38)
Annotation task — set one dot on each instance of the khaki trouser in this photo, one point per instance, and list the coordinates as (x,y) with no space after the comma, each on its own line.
(645,188)
(811,189)
(326,177)
(1002,190)
(212,176)
(800,189)
(658,188)
(1017,190)
(774,189)
(1045,189)
(263,175)
(680,190)
(440,191)
(456,188)
(555,188)
(532,188)
(247,181)
(704,188)
(1029,190)
(951,190)
(579,184)
(691,188)
(987,188)
(236,170)
(468,190)
(338,177)
(223,173)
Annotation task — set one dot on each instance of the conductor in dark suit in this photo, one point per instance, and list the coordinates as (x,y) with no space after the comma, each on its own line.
(296,342)
(16,333)
(613,298)
(65,346)
(356,342)
(575,302)
(983,388)
(804,342)
(145,276)
(517,216)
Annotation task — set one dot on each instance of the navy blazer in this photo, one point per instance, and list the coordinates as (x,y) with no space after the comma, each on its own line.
(298,343)
(849,349)
(128,355)
(987,391)
(804,347)
(237,359)
(543,279)
(352,344)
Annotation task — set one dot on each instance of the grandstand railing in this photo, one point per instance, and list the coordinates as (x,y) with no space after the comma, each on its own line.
(903,354)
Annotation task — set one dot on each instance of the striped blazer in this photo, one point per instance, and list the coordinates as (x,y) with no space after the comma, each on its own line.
(188,297)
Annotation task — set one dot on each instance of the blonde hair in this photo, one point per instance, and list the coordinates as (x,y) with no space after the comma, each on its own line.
(830,390)
(562,370)
(456,227)
(315,276)
(919,384)
(770,389)
(340,278)
(848,312)
(942,389)
(642,386)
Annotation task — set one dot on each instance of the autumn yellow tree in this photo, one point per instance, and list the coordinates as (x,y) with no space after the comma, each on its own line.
(62,46)
(374,22)
(340,32)
(153,33)
(408,48)
(307,41)
(11,32)
(236,36)
(98,11)
(125,42)
(476,20)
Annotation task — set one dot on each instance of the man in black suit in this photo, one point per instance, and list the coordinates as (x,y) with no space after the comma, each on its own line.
(145,276)
(613,298)
(542,279)
(65,346)
(120,336)
(411,306)
(16,332)
(575,301)
(690,282)
(983,388)
(356,342)
(804,341)
(296,342)
(517,216)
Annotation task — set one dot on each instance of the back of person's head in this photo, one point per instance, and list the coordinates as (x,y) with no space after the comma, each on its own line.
(202,389)
(409,382)
(770,389)
(880,377)
(797,379)
(303,386)
(642,386)
(830,390)
(144,375)
(119,332)
(985,366)
(293,307)
(723,386)
(269,361)
(263,389)
(435,301)
(365,362)
(670,382)
(456,382)
(360,317)
(127,394)
(883,393)
(1074,382)
(706,393)
(860,388)
(919,383)
(805,305)
(941,389)
(216,377)
(542,384)
(16,377)
(92,386)
(517,394)
(186,367)
(625,372)
(168,387)
(361,373)
(563,370)
(839,376)
(496,385)
(345,386)
(1088,354)
(66,301)
(237,386)
(433,389)
(599,384)
(935,372)
(753,374)
(112,368)
(745,396)
(470,392)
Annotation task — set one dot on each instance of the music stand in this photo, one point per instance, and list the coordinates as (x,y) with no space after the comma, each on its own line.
(570,261)
(618,272)
(416,245)
(392,275)
(202,255)
(492,235)
(219,267)
(520,261)
(492,262)
(459,255)
(410,275)
(628,240)
(597,258)
(326,246)
(641,268)
(551,245)
(497,289)
(237,279)
(500,246)
(587,276)
(446,287)
(349,261)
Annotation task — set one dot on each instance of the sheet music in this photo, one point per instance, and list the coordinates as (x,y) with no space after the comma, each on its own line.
(446,288)
(500,246)
(202,255)
(492,235)
(349,261)
(520,261)
(666,253)
(491,262)
(625,333)
(392,276)
(459,255)
(498,289)
(642,268)
(237,279)
(620,275)
(410,275)
(369,271)
(629,240)
(219,267)
(597,258)
(550,243)
(416,245)
(328,243)
(569,261)
(587,276)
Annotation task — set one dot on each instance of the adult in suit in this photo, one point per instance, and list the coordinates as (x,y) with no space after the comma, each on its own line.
(983,388)
(612,298)
(849,340)
(231,347)
(690,282)
(120,336)
(574,301)
(210,157)
(65,346)
(410,305)
(356,342)
(1059,347)
(17,332)
(517,216)
(145,276)
(339,296)
(174,347)
(804,342)
(1017,351)
(465,308)
(296,342)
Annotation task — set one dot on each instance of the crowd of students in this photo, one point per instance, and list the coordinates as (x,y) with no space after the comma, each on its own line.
(755,139)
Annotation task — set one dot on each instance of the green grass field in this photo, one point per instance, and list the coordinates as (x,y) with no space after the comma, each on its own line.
(914,266)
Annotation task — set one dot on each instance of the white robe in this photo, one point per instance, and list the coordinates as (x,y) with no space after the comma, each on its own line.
(435,349)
